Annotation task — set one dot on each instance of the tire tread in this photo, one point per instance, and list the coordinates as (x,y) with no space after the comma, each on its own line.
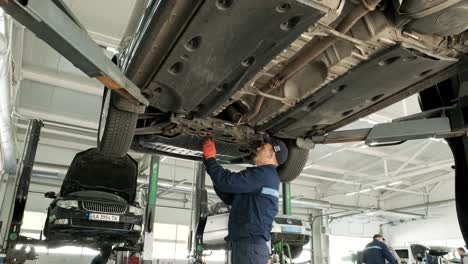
(118,133)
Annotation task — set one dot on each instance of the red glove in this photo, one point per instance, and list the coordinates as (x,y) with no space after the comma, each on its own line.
(209,149)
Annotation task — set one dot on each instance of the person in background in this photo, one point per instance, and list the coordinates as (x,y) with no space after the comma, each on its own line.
(395,255)
(376,252)
(103,257)
(463,256)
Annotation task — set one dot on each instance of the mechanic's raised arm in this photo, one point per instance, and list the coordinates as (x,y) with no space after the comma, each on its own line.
(225,197)
(246,181)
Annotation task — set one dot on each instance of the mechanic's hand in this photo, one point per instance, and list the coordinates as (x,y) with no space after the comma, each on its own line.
(209,148)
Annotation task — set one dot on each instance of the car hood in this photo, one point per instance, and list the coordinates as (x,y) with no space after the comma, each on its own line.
(97,195)
(92,171)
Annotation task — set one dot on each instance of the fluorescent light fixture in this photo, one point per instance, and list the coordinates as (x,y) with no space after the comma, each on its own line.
(362,191)
(380,187)
(395,183)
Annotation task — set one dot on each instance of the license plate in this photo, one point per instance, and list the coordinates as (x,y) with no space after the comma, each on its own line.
(104,217)
(291,229)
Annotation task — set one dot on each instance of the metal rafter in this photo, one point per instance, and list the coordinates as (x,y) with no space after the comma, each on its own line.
(420,184)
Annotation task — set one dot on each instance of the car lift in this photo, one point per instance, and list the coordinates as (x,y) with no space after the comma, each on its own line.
(13,211)
(281,248)
(199,217)
(443,122)
(16,194)
(55,24)
(123,254)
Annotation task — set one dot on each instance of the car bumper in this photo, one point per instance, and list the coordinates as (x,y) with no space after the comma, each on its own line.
(76,225)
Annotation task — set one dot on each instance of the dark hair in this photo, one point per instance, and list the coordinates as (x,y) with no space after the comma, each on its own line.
(377,236)
(461,249)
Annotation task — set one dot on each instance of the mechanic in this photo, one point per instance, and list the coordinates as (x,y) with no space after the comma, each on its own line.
(463,256)
(101,258)
(377,252)
(253,195)
(394,254)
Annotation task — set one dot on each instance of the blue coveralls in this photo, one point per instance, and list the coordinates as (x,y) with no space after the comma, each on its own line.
(253,195)
(377,252)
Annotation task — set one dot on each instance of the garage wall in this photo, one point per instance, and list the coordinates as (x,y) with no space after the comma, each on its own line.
(442,225)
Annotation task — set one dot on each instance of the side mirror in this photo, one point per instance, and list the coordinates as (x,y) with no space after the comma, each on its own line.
(50,195)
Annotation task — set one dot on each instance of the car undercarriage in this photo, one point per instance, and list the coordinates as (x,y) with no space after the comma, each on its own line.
(214,69)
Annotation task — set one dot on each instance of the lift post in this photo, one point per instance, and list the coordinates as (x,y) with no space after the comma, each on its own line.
(150,211)
(286,198)
(200,214)
(13,211)
(280,247)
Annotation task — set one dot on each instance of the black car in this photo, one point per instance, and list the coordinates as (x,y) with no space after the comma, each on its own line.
(96,204)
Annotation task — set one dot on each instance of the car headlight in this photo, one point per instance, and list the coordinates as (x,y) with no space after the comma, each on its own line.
(136,210)
(137,227)
(61,221)
(67,204)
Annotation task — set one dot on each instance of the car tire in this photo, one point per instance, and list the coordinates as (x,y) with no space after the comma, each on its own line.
(297,159)
(116,127)
(459,147)
(439,95)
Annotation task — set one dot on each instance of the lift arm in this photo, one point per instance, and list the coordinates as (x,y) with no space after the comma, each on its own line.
(429,124)
(57,26)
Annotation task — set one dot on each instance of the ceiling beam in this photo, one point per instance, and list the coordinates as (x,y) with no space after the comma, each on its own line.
(437,179)
(46,129)
(443,166)
(74,82)
(413,157)
(389,156)
(27,113)
(337,170)
(379,154)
